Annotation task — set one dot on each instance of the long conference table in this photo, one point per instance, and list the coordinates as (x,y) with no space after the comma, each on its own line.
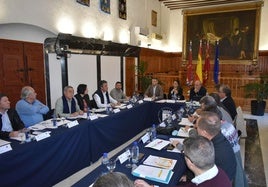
(69,150)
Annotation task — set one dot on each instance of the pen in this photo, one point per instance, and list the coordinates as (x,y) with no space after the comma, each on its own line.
(159,174)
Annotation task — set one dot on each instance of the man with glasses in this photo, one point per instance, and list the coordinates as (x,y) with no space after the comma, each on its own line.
(200,158)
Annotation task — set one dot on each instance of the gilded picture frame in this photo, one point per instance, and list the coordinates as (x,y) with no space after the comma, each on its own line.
(235,27)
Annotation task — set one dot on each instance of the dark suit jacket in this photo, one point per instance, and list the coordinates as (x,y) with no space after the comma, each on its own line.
(158,92)
(179,94)
(80,102)
(15,121)
(197,96)
(229,104)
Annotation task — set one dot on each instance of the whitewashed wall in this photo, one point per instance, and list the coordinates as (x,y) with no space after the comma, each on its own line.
(82,69)
(110,70)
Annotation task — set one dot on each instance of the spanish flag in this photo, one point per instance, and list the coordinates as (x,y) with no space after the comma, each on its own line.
(198,70)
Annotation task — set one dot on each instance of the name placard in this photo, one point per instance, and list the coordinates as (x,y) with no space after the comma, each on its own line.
(124,156)
(129,106)
(93,117)
(5,148)
(72,124)
(116,110)
(140,101)
(42,136)
(145,138)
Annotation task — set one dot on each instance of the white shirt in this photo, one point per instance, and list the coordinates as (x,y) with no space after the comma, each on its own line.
(209,174)
(7,127)
(105,104)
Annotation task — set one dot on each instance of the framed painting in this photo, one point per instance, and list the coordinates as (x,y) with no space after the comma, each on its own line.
(84,2)
(154,18)
(236,28)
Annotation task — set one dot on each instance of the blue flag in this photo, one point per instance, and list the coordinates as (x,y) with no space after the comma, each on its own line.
(216,64)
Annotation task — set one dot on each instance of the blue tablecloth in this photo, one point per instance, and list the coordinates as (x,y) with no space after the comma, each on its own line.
(179,168)
(49,161)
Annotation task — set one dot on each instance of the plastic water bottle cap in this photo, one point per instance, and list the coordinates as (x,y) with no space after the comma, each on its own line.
(153,125)
(135,143)
(105,154)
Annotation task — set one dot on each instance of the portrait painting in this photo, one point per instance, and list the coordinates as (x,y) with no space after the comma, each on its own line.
(105,6)
(84,2)
(123,9)
(154,18)
(236,32)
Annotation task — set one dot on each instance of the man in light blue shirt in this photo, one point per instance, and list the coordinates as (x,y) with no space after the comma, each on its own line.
(30,110)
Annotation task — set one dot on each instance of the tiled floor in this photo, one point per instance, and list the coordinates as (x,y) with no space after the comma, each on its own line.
(263,134)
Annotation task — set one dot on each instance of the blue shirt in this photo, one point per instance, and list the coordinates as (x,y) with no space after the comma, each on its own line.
(31,113)
(6,124)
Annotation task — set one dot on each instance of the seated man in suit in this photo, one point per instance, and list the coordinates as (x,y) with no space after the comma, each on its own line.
(102,98)
(10,122)
(224,92)
(198,91)
(200,158)
(117,93)
(66,106)
(154,91)
(30,109)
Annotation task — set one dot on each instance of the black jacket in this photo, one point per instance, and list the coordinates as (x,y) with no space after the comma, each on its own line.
(80,102)
(15,121)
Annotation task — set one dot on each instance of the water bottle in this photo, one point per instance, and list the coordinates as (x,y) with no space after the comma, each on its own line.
(153,133)
(88,112)
(54,120)
(135,153)
(105,161)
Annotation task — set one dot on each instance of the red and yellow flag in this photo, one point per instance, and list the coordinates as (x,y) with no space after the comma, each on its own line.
(198,71)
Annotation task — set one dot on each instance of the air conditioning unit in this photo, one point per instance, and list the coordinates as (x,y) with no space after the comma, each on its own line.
(142,31)
(156,36)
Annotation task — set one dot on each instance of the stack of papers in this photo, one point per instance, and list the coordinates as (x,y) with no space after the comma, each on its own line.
(183,132)
(185,121)
(158,144)
(84,116)
(98,110)
(121,106)
(48,124)
(160,162)
(148,99)
(153,173)
(180,140)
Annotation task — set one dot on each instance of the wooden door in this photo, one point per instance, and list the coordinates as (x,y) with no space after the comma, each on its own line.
(11,69)
(34,66)
(130,75)
(21,64)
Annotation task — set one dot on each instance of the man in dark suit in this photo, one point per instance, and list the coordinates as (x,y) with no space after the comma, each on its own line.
(226,99)
(10,122)
(198,91)
(154,91)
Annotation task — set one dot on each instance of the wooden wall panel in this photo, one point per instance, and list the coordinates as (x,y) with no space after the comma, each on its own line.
(168,67)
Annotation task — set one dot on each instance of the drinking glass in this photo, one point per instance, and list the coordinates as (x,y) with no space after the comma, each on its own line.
(111,165)
(22,137)
(128,151)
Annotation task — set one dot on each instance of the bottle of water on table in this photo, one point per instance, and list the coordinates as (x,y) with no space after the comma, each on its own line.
(105,161)
(135,153)
(153,133)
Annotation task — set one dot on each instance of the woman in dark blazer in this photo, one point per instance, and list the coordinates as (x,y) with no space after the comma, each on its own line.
(176,92)
(82,97)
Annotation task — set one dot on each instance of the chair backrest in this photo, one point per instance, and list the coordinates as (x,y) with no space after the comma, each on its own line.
(239,122)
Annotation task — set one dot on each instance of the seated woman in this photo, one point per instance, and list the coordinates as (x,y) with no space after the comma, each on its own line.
(82,97)
(176,92)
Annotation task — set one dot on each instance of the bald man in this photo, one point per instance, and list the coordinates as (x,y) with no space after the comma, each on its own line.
(198,91)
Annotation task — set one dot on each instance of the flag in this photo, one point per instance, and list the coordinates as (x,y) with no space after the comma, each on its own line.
(207,63)
(189,78)
(198,70)
(216,64)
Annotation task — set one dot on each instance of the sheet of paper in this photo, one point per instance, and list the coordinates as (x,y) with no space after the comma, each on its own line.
(183,132)
(84,116)
(3,142)
(147,99)
(102,115)
(158,144)
(161,101)
(185,121)
(153,173)
(170,101)
(160,162)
